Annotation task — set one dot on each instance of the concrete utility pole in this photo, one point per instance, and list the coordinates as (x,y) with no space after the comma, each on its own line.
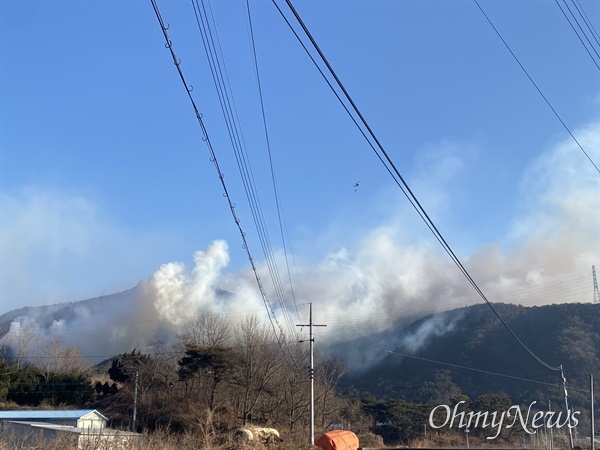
(311,373)
(135,389)
(568,411)
(551,432)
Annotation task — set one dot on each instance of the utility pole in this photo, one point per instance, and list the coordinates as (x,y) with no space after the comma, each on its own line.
(568,411)
(135,389)
(551,433)
(311,373)
(592,432)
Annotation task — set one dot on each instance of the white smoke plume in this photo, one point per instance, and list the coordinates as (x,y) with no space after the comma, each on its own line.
(136,318)
(438,325)
(178,294)
(366,287)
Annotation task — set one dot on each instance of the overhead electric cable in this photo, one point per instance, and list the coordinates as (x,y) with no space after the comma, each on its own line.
(337,95)
(537,87)
(213,50)
(577,32)
(590,27)
(415,202)
(213,159)
(150,353)
(271,165)
(473,369)
(223,87)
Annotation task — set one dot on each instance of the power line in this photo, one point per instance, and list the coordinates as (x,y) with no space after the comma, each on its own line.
(271,165)
(570,286)
(406,355)
(458,366)
(537,87)
(390,166)
(577,32)
(9,359)
(271,315)
(218,69)
(587,21)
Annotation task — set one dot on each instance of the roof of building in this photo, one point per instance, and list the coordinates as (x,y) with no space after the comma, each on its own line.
(71,429)
(37,414)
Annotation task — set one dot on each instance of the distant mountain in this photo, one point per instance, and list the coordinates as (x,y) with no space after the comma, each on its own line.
(46,316)
(100,327)
(422,358)
(475,346)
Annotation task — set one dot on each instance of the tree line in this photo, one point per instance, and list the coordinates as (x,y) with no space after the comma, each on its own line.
(218,376)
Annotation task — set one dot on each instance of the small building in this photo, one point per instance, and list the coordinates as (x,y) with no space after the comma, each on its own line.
(84,428)
(79,418)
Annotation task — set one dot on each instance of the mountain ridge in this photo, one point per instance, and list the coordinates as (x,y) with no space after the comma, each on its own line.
(467,350)
(479,355)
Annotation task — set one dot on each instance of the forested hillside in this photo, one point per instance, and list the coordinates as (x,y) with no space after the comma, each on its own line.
(469,356)
(218,376)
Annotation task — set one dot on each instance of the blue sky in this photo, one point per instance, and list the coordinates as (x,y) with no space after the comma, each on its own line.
(104,175)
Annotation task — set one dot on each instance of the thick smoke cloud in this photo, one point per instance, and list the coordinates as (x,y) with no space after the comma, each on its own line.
(367,287)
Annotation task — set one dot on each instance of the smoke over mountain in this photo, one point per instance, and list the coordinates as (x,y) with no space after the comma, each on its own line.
(365,288)
(104,326)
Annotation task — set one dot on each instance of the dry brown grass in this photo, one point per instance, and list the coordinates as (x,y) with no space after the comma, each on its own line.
(156,440)
(164,440)
(370,440)
(458,440)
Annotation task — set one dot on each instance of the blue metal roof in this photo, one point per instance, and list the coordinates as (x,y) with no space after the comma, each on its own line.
(64,414)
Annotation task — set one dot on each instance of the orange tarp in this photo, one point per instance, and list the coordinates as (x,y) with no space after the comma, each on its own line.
(337,440)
